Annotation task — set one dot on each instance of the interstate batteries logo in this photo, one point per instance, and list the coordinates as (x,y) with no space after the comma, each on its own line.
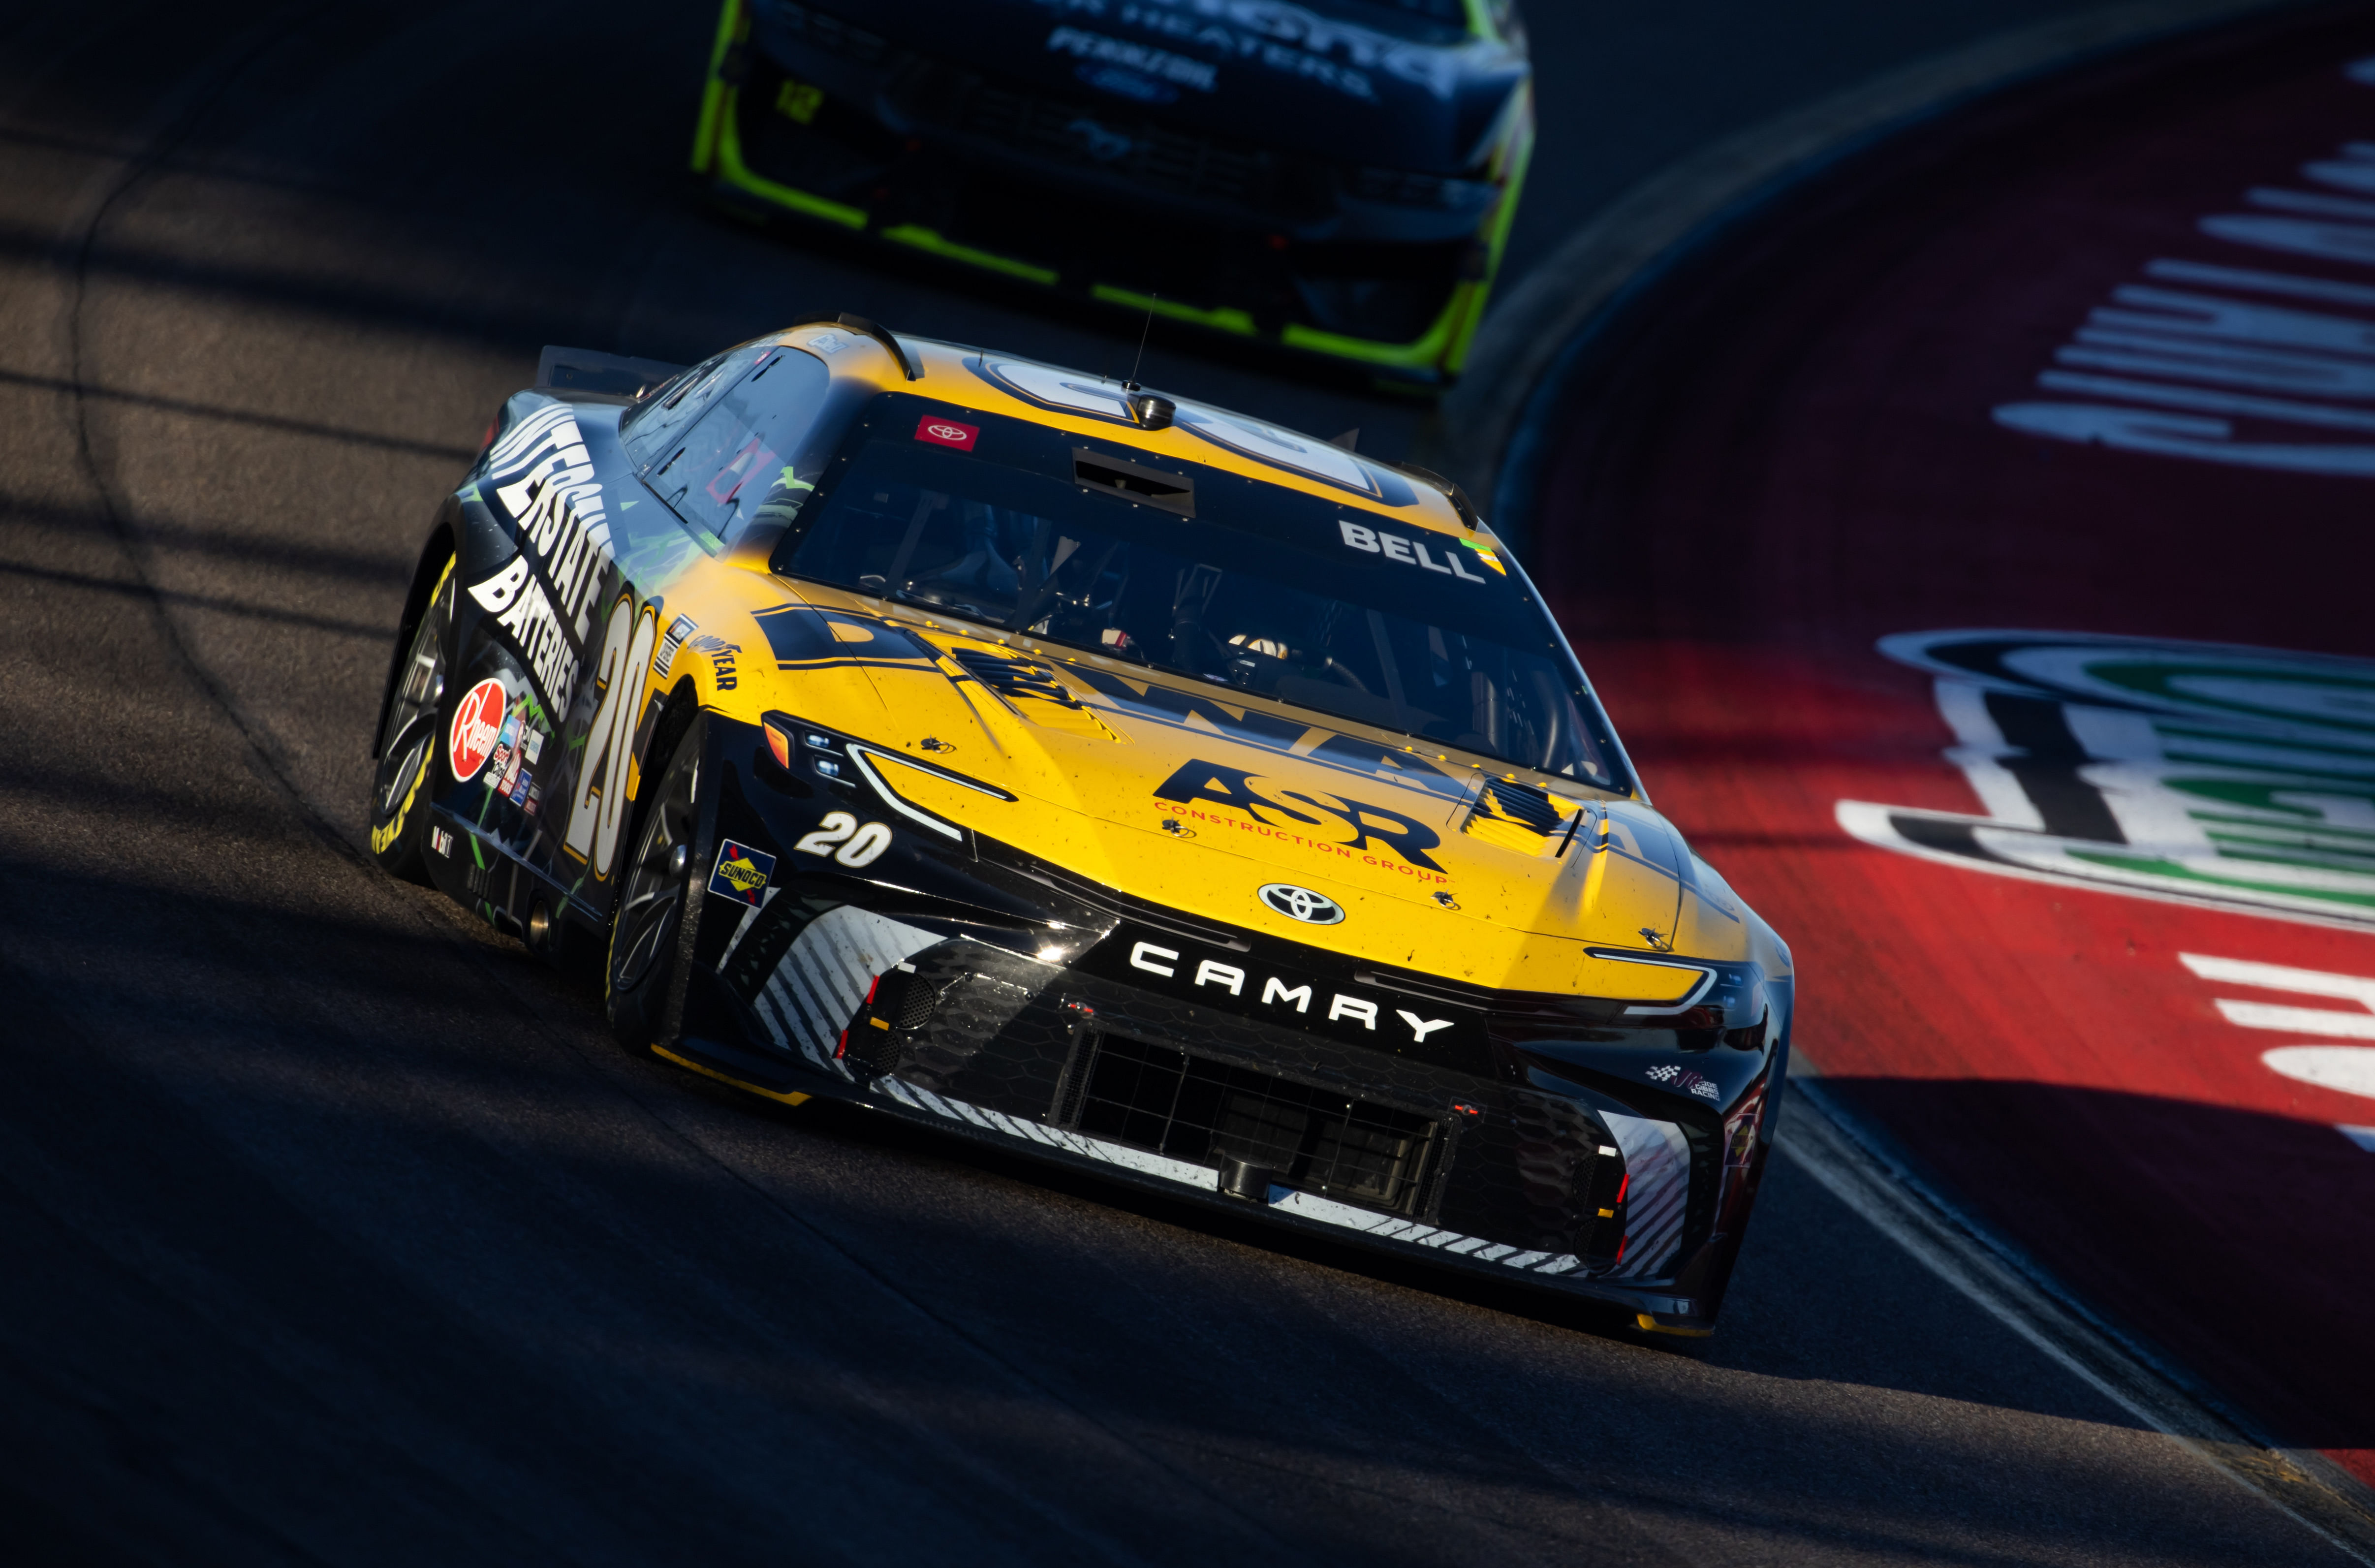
(2238,777)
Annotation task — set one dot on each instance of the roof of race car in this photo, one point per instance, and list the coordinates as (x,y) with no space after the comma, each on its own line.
(1075,401)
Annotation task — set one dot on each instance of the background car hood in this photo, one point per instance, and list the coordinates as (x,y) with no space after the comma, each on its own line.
(1250,70)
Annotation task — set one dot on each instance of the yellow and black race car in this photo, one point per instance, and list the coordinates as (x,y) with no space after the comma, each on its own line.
(1115,778)
(1330,177)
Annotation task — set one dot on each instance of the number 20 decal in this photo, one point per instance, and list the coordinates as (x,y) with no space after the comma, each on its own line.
(599,808)
(840,836)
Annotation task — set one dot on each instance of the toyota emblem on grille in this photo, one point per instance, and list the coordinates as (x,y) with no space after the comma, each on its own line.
(1301,903)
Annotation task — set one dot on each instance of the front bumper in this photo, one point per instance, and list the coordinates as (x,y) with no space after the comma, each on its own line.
(1356,265)
(957,983)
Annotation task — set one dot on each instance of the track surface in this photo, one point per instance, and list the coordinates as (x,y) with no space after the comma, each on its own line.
(336,1230)
(2094,362)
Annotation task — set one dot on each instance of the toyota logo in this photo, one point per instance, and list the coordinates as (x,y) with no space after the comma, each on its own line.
(1301,903)
(948,432)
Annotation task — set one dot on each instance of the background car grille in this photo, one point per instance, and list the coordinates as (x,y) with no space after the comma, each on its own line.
(1090,135)
(1155,1098)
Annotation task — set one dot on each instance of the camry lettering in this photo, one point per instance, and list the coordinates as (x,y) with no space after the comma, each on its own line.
(1420,1027)
(1343,1006)
(1410,553)
(1277,990)
(1222,974)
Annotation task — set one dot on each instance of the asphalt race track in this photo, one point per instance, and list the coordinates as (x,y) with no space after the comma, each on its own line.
(337,1231)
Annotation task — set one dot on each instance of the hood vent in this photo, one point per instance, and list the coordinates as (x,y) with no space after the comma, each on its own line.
(1516,816)
(1133,481)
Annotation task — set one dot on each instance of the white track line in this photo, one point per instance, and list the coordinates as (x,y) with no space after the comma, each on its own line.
(1828,1142)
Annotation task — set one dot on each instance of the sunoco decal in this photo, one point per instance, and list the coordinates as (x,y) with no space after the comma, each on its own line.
(543,478)
(2239,777)
(742,872)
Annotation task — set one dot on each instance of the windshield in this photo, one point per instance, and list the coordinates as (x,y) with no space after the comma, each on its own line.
(1200,572)
(1427,21)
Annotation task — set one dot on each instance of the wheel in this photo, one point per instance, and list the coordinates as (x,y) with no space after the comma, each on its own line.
(409,753)
(648,930)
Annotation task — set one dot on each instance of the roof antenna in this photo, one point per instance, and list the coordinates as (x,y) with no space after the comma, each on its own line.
(1131,384)
(1150,412)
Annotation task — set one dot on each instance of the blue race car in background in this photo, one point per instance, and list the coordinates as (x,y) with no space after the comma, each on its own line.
(1335,177)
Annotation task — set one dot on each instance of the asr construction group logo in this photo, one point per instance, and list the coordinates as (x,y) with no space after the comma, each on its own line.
(2243,778)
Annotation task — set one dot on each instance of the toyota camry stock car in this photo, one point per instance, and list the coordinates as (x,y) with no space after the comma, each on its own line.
(1334,177)
(1110,777)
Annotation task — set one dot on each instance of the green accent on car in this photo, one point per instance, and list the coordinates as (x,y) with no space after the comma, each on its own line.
(925,239)
(734,171)
(714,92)
(1426,353)
(1224,319)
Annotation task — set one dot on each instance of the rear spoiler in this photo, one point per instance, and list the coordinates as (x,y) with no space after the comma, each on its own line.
(589,375)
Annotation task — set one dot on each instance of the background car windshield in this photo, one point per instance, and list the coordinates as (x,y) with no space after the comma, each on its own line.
(1200,573)
(1427,21)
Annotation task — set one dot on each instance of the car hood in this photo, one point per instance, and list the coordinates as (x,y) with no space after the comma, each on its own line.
(1196,797)
(1251,70)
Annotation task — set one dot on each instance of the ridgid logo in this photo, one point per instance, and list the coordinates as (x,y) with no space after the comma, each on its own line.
(2239,777)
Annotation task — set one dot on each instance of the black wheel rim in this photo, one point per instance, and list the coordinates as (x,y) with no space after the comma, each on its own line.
(412,715)
(650,900)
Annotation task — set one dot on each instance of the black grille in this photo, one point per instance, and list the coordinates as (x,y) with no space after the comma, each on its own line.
(1155,1098)
(903,999)
(1087,134)
(830,33)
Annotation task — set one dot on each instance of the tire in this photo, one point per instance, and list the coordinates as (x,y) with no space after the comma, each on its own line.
(411,760)
(649,929)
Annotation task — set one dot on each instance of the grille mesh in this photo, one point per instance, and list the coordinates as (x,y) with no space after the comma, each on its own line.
(1352,1151)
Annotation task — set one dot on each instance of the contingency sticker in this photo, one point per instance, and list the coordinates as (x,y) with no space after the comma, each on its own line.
(742,872)
(477,727)
(946,432)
